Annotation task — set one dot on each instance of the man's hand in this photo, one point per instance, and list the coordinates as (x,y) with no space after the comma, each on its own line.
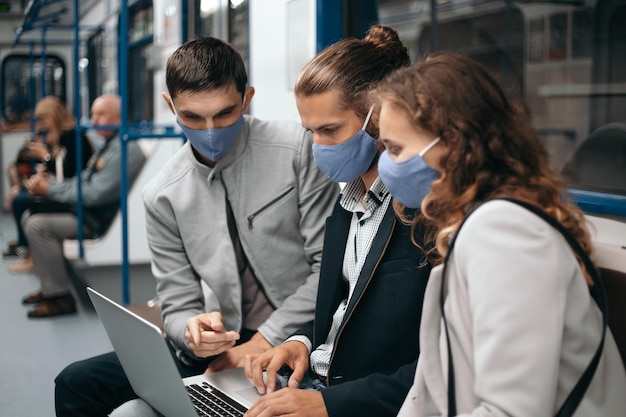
(234,358)
(290,402)
(293,354)
(38,184)
(206,336)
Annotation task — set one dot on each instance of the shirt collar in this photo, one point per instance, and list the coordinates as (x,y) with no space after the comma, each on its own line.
(353,192)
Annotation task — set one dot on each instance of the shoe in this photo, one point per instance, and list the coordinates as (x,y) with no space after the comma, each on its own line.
(53,306)
(34,298)
(11,251)
(24,266)
(15,251)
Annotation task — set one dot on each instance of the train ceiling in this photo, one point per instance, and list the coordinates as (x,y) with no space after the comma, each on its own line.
(48,21)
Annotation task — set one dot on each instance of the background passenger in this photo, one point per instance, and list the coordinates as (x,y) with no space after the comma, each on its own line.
(55,219)
(359,351)
(239,210)
(17,109)
(521,322)
(54,152)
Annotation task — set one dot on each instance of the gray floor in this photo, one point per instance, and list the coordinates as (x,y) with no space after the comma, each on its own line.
(32,352)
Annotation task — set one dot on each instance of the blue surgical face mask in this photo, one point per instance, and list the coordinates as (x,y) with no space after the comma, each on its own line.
(348,160)
(408,181)
(213,143)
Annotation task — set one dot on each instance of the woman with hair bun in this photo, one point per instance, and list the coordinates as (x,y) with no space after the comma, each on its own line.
(358,356)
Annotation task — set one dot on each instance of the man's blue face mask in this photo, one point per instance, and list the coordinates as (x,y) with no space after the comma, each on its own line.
(213,143)
(349,160)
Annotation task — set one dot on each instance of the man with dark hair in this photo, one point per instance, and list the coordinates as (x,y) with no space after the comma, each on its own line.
(235,225)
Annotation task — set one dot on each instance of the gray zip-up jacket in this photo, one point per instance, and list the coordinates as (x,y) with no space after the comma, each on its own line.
(280,201)
(101,182)
(101,177)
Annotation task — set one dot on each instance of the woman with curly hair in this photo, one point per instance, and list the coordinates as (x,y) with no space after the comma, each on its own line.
(510,320)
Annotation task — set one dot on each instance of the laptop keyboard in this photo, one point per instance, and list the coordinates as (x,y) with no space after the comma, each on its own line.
(209,401)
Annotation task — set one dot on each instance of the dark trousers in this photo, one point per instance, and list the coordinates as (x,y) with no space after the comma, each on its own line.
(19,205)
(96,386)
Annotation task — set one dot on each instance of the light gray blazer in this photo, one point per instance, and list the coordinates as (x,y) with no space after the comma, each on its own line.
(522,325)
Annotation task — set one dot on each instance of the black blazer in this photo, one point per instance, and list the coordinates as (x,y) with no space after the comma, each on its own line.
(376,349)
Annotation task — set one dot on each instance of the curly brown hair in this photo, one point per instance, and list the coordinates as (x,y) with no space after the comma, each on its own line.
(492,149)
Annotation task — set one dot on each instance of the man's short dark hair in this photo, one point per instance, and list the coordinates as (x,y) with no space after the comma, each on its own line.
(203,64)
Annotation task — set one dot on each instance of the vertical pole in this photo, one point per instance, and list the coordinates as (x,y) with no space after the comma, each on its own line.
(506,47)
(44,62)
(78,134)
(329,22)
(184,11)
(123,132)
(434,27)
(31,87)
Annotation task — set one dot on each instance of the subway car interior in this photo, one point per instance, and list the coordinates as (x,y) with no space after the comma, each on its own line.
(565,58)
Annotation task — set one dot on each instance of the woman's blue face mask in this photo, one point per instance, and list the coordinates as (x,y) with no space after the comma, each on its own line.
(408,181)
(349,160)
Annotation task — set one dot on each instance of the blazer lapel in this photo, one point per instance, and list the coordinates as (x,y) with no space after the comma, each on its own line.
(331,289)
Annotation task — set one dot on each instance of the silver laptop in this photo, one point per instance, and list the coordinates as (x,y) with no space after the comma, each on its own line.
(150,368)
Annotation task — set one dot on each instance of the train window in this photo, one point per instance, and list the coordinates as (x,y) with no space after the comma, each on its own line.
(536,40)
(230,23)
(582,32)
(97,64)
(140,69)
(238,27)
(558,37)
(566,61)
(27,79)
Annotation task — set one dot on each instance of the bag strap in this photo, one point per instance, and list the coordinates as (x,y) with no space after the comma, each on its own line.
(597,293)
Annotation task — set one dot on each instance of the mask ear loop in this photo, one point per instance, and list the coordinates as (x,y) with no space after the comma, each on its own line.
(367,119)
(430,145)
(174,108)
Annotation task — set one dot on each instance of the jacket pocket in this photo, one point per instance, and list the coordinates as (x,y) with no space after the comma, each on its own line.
(400,265)
(266,207)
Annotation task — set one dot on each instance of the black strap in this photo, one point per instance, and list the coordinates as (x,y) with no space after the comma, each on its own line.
(597,293)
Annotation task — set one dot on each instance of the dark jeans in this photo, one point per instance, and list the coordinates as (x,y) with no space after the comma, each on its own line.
(19,205)
(96,386)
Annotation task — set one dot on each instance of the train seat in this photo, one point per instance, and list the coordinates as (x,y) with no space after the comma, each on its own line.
(609,240)
(106,249)
(599,163)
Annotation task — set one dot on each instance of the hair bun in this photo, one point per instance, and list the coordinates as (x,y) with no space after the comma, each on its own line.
(387,40)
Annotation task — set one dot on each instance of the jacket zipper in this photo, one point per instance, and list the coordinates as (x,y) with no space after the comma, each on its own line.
(265,207)
(345,320)
(258,281)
